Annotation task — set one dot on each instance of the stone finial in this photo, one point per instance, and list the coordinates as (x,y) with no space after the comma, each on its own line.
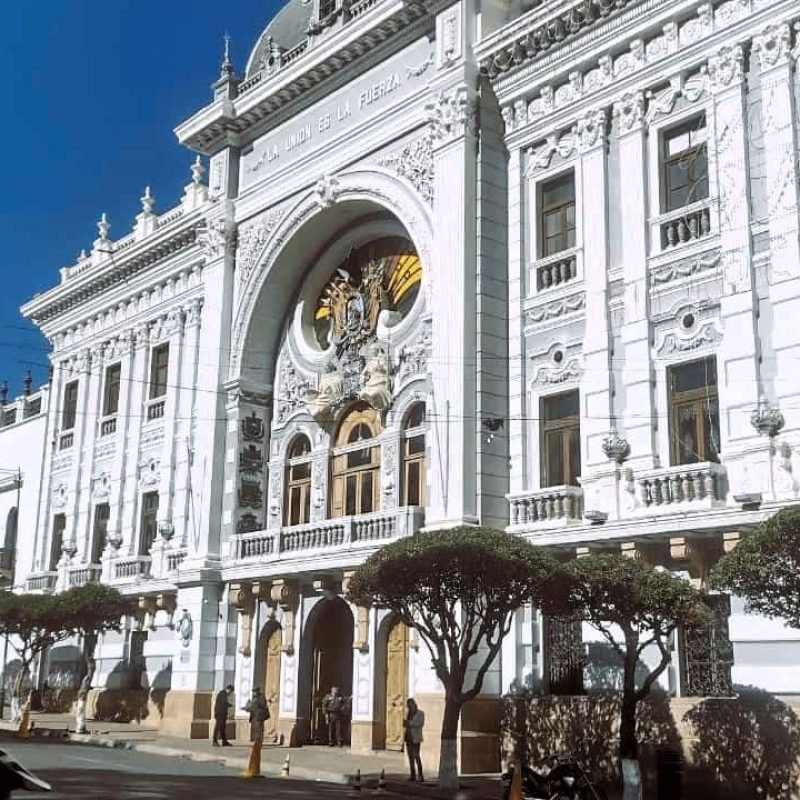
(615,446)
(27,383)
(4,393)
(148,201)
(103,227)
(198,171)
(226,68)
(767,419)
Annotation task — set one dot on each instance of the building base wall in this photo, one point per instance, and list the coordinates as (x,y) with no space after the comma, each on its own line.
(188,714)
(127,705)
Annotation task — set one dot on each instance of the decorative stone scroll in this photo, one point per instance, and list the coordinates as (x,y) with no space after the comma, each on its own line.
(243,601)
(284,593)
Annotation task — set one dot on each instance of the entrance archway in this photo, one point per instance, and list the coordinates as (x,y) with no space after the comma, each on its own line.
(396,693)
(331,661)
(268,676)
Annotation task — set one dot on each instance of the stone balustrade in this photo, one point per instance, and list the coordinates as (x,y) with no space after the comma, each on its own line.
(80,576)
(682,226)
(695,485)
(331,535)
(550,507)
(131,569)
(174,559)
(42,582)
(556,270)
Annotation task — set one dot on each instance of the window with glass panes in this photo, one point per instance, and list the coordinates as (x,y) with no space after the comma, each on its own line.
(694,412)
(356,469)
(159,363)
(102,512)
(297,509)
(326,8)
(414,457)
(557,215)
(561,439)
(57,542)
(148,525)
(111,390)
(685,164)
(70,406)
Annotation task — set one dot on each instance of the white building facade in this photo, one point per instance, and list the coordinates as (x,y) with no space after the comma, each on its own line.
(453,264)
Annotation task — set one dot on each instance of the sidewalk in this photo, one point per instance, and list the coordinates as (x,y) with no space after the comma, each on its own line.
(330,765)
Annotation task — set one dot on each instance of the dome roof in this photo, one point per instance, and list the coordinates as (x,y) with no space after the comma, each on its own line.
(287,29)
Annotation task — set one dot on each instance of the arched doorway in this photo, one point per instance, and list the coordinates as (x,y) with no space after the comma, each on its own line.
(268,676)
(332,661)
(396,693)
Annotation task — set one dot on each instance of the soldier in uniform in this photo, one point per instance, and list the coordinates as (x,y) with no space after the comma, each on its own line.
(259,714)
(333,706)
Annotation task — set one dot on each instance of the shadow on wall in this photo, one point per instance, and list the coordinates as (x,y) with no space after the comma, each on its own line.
(747,746)
(136,703)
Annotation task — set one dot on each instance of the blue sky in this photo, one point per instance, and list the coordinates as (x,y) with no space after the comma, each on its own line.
(90,93)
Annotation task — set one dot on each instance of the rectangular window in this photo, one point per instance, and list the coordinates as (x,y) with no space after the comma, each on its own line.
(685,164)
(694,412)
(111,391)
(70,406)
(326,8)
(148,527)
(561,440)
(159,362)
(99,531)
(59,524)
(557,215)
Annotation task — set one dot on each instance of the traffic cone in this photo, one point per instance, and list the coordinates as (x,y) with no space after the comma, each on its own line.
(24,730)
(285,770)
(254,764)
(381,783)
(355,789)
(516,784)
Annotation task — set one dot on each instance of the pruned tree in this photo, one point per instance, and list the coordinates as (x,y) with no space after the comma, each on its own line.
(32,623)
(764,568)
(89,611)
(634,607)
(458,588)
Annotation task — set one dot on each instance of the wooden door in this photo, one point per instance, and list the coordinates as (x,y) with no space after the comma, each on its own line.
(272,683)
(396,684)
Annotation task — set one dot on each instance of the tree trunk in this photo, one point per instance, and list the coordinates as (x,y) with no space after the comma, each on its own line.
(628,745)
(89,644)
(17,694)
(448,755)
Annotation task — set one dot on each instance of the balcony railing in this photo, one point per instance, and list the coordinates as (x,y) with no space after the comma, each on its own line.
(551,507)
(682,226)
(108,426)
(155,409)
(695,485)
(43,582)
(556,270)
(131,568)
(80,576)
(175,559)
(344,533)
(66,440)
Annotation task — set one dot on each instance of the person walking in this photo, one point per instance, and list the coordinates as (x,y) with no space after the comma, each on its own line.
(414,723)
(259,714)
(334,710)
(222,705)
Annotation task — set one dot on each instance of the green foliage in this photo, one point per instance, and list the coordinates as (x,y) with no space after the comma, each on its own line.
(94,609)
(765,568)
(458,588)
(33,622)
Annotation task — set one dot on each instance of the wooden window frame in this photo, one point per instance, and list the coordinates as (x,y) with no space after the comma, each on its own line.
(342,470)
(560,209)
(57,540)
(687,156)
(99,531)
(111,389)
(702,400)
(158,387)
(147,515)
(70,411)
(300,486)
(413,433)
(563,428)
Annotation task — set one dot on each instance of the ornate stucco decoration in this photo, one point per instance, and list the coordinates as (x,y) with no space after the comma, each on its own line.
(703,334)
(615,447)
(292,391)
(725,68)
(101,486)
(217,239)
(149,474)
(693,90)
(414,163)
(413,358)
(629,112)
(59,499)
(555,374)
(767,419)
(326,191)
(252,239)
(452,114)
(558,308)
(773,46)
(684,269)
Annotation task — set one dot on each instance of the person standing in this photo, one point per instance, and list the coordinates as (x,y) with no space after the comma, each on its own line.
(259,714)
(414,723)
(333,708)
(222,705)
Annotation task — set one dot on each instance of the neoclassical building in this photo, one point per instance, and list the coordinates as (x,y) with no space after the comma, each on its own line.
(534,266)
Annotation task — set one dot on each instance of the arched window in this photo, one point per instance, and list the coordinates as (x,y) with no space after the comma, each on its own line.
(297,508)
(414,456)
(356,463)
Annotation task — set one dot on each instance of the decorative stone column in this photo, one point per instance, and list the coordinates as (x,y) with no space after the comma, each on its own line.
(286,596)
(737,367)
(453,411)
(636,390)
(779,115)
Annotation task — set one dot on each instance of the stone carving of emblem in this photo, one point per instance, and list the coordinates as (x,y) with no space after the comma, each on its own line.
(185,628)
(149,474)
(253,428)
(293,389)
(376,383)
(250,494)
(248,523)
(60,496)
(101,486)
(415,163)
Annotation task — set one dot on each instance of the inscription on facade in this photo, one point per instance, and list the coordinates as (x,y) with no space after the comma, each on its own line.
(345,109)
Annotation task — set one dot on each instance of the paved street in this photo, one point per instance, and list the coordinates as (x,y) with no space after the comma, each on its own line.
(97,773)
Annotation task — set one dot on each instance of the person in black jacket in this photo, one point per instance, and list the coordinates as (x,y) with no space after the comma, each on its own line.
(14,776)
(221,706)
